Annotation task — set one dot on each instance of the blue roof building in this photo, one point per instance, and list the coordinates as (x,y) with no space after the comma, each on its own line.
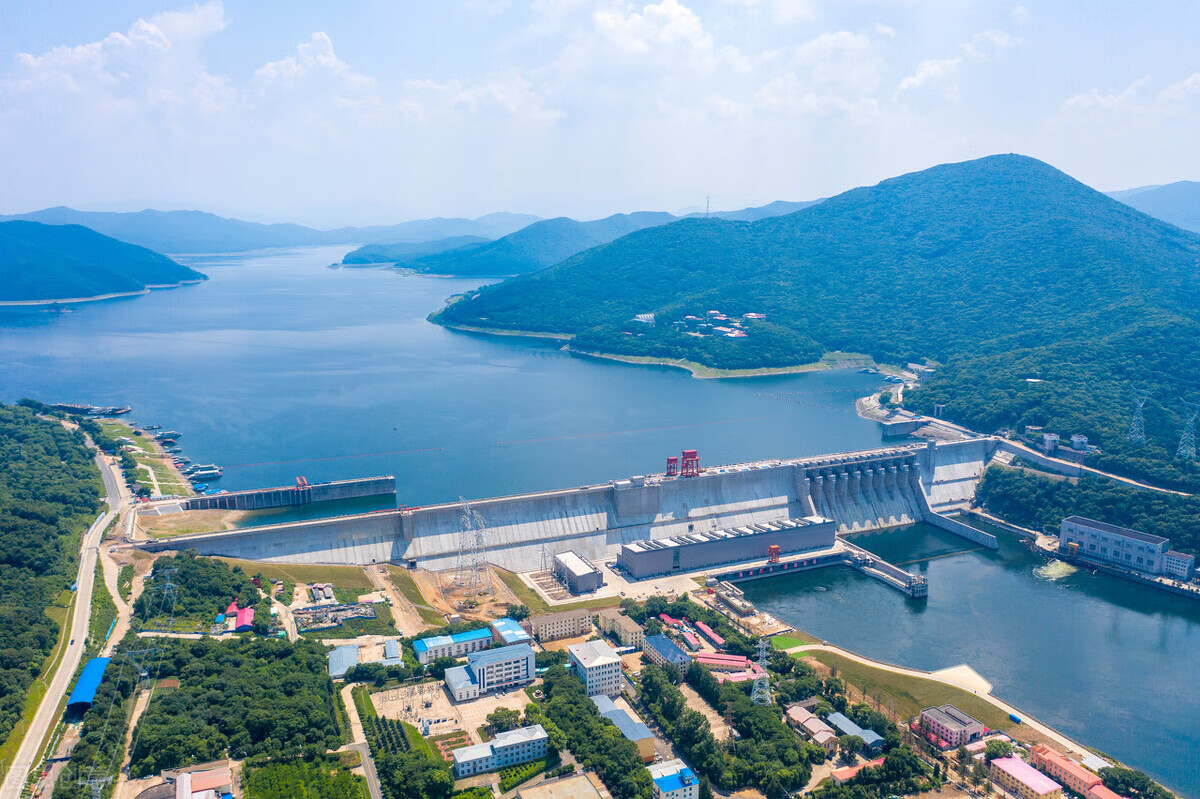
(85,689)
(342,659)
(509,632)
(491,670)
(674,780)
(452,646)
(662,650)
(845,726)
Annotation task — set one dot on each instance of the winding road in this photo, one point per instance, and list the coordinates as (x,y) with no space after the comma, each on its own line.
(46,717)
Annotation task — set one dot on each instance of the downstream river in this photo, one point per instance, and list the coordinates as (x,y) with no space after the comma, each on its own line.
(279,366)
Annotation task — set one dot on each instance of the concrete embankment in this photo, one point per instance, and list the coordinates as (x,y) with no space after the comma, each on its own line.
(300,494)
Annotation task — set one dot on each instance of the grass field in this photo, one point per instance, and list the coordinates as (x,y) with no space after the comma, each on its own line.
(382,624)
(794,638)
(104,613)
(351,578)
(125,581)
(530,598)
(912,694)
(403,581)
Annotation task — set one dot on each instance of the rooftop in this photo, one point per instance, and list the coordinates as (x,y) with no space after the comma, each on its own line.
(672,775)
(1174,553)
(510,631)
(631,728)
(574,564)
(342,658)
(950,716)
(1066,764)
(1026,774)
(667,648)
(520,736)
(547,618)
(842,774)
(459,677)
(593,653)
(577,787)
(1115,530)
(848,727)
(487,657)
(720,535)
(425,644)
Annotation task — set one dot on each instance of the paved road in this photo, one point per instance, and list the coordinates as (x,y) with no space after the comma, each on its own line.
(47,713)
(947,677)
(359,742)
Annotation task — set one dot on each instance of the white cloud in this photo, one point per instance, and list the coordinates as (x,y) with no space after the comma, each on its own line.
(1128,99)
(930,71)
(314,59)
(1020,15)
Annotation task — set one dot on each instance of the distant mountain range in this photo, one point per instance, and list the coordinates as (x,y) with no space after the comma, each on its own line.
(200,232)
(999,269)
(50,262)
(1177,203)
(537,246)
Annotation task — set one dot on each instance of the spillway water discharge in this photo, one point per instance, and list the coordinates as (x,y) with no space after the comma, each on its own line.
(1055,570)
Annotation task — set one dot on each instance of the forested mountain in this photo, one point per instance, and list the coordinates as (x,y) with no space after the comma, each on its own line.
(1000,269)
(777,208)
(534,247)
(49,494)
(45,262)
(402,253)
(200,232)
(1177,203)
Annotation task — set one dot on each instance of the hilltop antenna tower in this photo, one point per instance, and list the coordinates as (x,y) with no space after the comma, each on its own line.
(761,693)
(1137,425)
(1187,442)
(472,565)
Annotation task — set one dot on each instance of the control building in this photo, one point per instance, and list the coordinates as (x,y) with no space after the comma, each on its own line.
(1108,543)
(491,670)
(506,749)
(577,574)
(673,780)
(699,550)
(598,666)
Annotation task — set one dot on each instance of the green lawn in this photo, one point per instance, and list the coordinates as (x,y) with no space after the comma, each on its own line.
(403,580)
(912,694)
(125,581)
(530,598)
(104,613)
(794,638)
(382,624)
(351,578)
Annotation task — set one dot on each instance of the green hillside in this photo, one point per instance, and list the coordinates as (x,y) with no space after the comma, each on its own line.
(535,247)
(1177,203)
(404,253)
(45,262)
(999,269)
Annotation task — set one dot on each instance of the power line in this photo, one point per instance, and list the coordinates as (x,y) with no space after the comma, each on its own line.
(761,693)
(1137,425)
(471,573)
(1187,442)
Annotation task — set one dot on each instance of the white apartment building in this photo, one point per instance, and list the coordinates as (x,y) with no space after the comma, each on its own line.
(506,749)
(564,624)
(598,666)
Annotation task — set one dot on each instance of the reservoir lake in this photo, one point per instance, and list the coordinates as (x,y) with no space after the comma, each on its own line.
(279,367)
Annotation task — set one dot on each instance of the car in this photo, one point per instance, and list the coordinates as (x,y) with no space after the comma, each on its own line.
(72,642)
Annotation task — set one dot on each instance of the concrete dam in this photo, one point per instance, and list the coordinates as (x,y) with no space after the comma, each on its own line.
(303,493)
(860,491)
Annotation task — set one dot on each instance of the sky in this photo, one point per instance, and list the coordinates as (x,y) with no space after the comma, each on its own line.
(376,112)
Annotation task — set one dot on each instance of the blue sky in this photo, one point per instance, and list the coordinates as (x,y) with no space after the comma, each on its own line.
(374,112)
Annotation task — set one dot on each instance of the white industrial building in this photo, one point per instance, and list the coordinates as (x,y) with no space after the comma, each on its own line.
(576,573)
(1108,543)
(491,670)
(506,749)
(598,666)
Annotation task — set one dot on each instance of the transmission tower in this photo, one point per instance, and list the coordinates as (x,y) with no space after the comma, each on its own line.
(1187,442)
(1137,425)
(761,693)
(96,783)
(472,564)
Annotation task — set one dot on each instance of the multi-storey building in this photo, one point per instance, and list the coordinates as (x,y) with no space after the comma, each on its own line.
(1022,780)
(491,670)
(674,780)
(952,726)
(598,666)
(1066,771)
(662,650)
(1108,543)
(563,624)
(626,630)
(1178,565)
(452,646)
(506,749)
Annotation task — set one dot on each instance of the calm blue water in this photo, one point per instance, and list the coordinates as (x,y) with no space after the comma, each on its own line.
(1109,663)
(278,367)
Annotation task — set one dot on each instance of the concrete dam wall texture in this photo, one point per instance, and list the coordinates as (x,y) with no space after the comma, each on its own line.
(859,491)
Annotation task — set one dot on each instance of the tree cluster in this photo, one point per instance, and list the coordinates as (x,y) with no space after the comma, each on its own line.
(235,699)
(315,778)
(204,587)
(901,774)
(49,494)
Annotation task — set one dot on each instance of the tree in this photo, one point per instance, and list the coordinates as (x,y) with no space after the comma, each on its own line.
(849,746)
(437,669)
(997,747)
(654,626)
(979,773)
(705,789)
(503,719)
(885,398)
(1132,783)
(964,761)
(517,612)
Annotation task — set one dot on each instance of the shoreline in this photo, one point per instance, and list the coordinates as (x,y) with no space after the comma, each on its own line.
(100,297)
(697,370)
